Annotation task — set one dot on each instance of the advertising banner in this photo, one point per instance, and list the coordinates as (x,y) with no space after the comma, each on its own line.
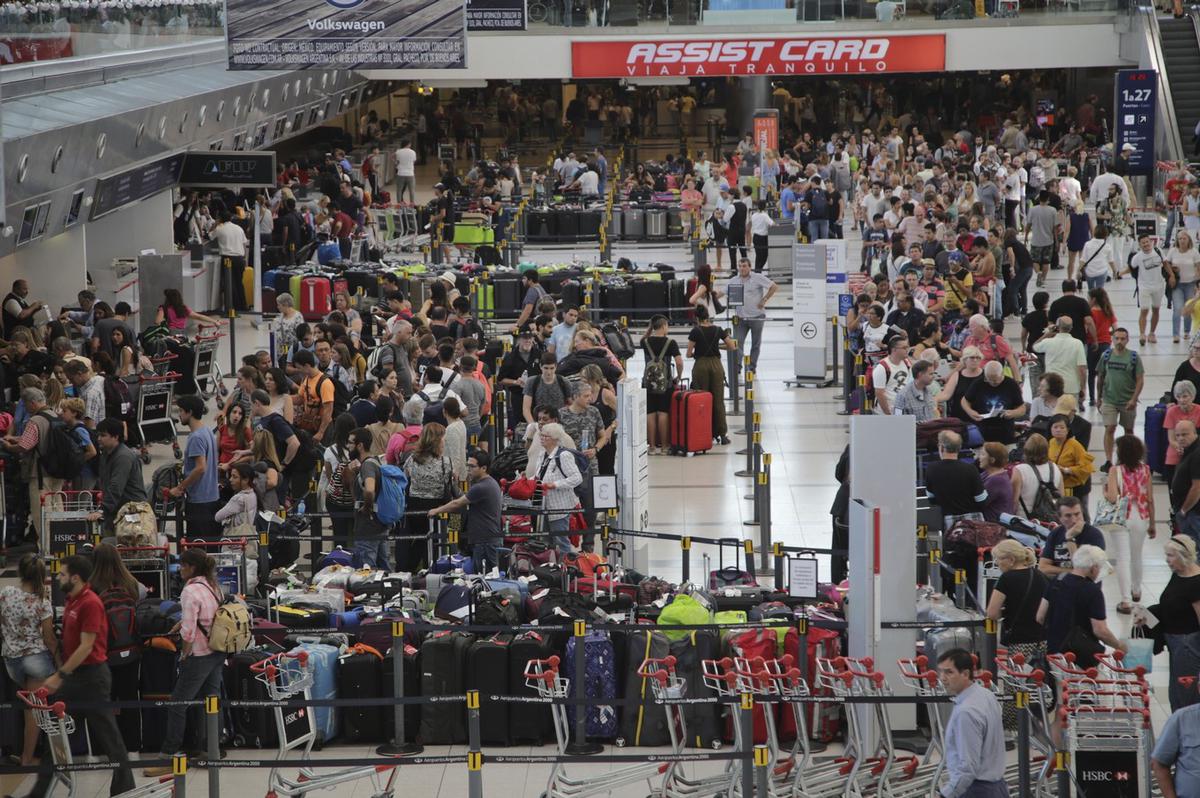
(346,34)
(496,15)
(785,55)
(766,129)
(1137,93)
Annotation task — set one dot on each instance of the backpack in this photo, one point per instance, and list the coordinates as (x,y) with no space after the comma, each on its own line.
(820,203)
(391,493)
(560,381)
(341,395)
(657,377)
(1045,500)
(340,492)
(118,403)
(620,343)
(374,362)
(433,411)
(63,458)
(124,642)
(230,632)
(136,525)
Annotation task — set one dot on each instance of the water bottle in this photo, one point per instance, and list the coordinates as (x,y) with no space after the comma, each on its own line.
(300,508)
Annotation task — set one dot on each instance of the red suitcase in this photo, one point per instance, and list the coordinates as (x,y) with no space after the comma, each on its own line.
(315,298)
(268,299)
(341,286)
(691,421)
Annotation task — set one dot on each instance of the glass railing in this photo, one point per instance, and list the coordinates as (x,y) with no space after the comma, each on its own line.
(52,29)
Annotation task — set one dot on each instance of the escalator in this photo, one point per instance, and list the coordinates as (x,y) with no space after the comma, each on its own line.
(1181,60)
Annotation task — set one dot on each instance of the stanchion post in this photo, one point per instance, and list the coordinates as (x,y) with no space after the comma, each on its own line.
(749,403)
(935,569)
(232,311)
(399,745)
(960,588)
(778,555)
(1024,786)
(802,651)
(991,630)
(1062,767)
(922,554)
(179,771)
(731,365)
(833,323)
(474,755)
(212,743)
(580,745)
(763,483)
(744,718)
(685,548)
(751,468)
(762,761)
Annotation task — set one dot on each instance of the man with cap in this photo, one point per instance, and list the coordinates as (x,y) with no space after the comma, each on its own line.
(1120,165)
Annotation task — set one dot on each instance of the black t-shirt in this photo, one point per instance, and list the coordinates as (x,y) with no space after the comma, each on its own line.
(985,397)
(1077,309)
(1187,471)
(1174,609)
(1074,601)
(961,387)
(954,485)
(1055,548)
(1024,259)
(280,430)
(1023,590)
(653,347)
(1034,323)
(1186,372)
(707,341)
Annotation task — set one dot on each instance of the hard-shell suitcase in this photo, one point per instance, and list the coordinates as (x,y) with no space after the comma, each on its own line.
(315,297)
(571,294)
(540,225)
(589,224)
(303,618)
(616,300)
(363,279)
(531,723)
(325,661)
(360,675)
(412,687)
(600,675)
(616,225)
(677,300)
(248,285)
(656,223)
(650,299)
(634,225)
(487,672)
(443,672)
(252,727)
(674,222)
(566,221)
(823,720)
(158,669)
(690,420)
(643,722)
(294,280)
(751,643)
(268,299)
(1155,436)
(283,283)
(508,295)
(703,721)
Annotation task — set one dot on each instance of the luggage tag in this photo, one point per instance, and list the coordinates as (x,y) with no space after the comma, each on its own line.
(131,518)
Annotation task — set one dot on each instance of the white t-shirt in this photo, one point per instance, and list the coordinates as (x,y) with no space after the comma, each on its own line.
(1049,473)
(1149,266)
(1012,187)
(230,238)
(1185,262)
(1099,189)
(873,337)
(760,223)
(589,183)
(406,162)
(1100,264)
(1191,205)
(889,379)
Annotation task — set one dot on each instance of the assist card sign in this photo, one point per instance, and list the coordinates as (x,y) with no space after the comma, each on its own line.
(346,34)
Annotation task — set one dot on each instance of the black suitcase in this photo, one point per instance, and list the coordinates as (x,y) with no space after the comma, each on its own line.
(273,257)
(360,278)
(566,222)
(532,723)
(252,727)
(361,676)
(589,224)
(157,680)
(665,269)
(299,617)
(507,295)
(283,285)
(617,297)
(552,282)
(571,294)
(540,226)
(487,672)
(703,721)
(650,299)
(677,300)
(443,672)
(126,686)
(412,687)
(643,722)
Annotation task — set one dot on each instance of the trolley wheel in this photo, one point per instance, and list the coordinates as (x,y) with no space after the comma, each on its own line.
(146,458)
(176,451)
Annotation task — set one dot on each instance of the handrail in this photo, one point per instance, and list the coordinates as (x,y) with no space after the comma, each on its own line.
(1166,102)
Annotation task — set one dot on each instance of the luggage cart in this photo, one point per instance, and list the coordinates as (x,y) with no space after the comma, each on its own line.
(1114,740)
(230,554)
(66,528)
(149,565)
(754,678)
(812,780)
(154,419)
(860,782)
(205,370)
(1016,675)
(543,675)
(896,774)
(59,726)
(287,676)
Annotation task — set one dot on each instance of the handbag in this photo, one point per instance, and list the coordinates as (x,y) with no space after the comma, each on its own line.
(1139,651)
(1113,513)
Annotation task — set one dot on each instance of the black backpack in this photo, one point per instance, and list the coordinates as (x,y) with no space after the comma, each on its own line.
(1045,500)
(341,395)
(433,409)
(63,454)
(124,643)
(118,402)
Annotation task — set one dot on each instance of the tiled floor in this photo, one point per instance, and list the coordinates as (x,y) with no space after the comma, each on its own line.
(699,495)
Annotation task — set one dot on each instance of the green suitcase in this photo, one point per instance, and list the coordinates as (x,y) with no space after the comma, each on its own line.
(473,234)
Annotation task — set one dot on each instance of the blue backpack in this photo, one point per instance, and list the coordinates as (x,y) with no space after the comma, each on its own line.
(391,494)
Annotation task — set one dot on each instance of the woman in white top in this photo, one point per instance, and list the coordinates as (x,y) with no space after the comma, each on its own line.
(455,442)
(1182,259)
(706,293)
(1097,259)
(281,398)
(1036,469)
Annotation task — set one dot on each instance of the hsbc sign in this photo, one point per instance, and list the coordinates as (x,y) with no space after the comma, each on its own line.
(799,55)
(1109,774)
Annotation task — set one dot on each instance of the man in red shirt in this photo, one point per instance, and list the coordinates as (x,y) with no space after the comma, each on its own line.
(341,227)
(1176,186)
(84,675)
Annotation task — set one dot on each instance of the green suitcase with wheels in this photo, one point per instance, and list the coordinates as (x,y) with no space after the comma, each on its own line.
(473,234)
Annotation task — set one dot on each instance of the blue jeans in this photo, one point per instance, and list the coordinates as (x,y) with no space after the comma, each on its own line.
(371,553)
(817,229)
(1180,294)
(1096,282)
(746,328)
(1171,216)
(486,555)
(562,525)
(198,677)
(31,666)
(1189,524)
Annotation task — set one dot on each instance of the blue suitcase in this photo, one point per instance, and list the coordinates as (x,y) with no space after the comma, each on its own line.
(453,562)
(325,662)
(600,673)
(1155,437)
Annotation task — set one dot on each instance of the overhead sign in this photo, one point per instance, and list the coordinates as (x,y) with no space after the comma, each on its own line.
(786,55)
(766,129)
(136,184)
(1137,94)
(346,34)
(217,169)
(483,15)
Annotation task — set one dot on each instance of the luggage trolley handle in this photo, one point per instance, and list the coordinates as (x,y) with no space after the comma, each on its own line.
(36,699)
(736,543)
(170,376)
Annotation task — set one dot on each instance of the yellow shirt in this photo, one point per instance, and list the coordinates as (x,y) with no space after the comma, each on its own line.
(1075,462)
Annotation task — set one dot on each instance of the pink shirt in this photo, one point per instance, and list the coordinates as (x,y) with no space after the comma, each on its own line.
(199,608)
(1173,417)
(1136,486)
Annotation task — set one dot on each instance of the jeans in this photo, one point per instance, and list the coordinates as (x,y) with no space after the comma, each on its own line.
(1189,524)
(1171,217)
(371,552)
(485,554)
(198,677)
(1096,282)
(89,683)
(749,327)
(817,229)
(1180,294)
(762,251)
(1015,295)
(561,525)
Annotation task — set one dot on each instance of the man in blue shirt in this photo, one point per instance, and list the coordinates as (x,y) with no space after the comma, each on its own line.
(1179,745)
(563,333)
(199,472)
(602,170)
(787,202)
(1071,533)
(974,757)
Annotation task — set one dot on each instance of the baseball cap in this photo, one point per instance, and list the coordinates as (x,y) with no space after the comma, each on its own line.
(1127,146)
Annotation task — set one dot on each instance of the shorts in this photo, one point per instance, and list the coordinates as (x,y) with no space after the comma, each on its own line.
(1150,297)
(1042,254)
(31,666)
(658,402)
(474,431)
(1112,415)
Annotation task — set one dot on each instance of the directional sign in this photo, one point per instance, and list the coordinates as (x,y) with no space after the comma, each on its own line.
(219,169)
(1136,95)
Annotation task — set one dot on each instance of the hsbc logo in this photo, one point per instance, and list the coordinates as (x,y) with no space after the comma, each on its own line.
(1103,775)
